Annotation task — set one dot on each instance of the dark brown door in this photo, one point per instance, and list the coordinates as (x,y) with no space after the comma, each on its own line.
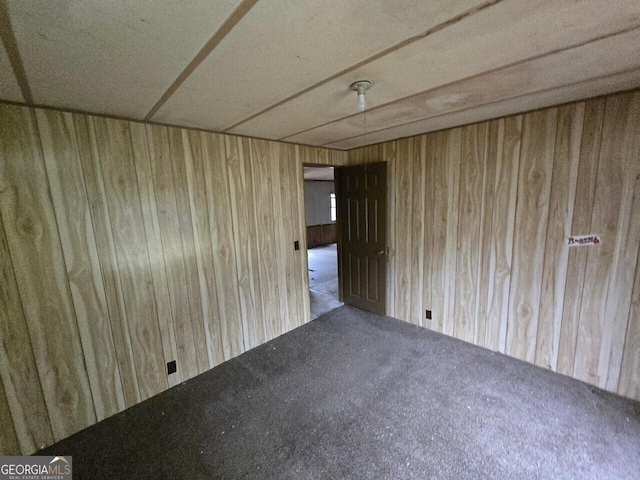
(362,204)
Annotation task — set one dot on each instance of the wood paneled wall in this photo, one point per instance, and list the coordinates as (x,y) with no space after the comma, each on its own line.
(124,246)
(319,235)
(478,223)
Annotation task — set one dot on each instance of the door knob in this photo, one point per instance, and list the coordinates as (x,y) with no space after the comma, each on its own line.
(384,251)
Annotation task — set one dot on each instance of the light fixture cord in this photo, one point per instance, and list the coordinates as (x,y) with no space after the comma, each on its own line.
(364,121)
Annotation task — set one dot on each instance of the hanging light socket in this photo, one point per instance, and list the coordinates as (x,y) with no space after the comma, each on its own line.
(361,86)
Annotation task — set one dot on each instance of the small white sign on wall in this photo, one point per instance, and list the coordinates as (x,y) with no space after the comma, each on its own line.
(583,240)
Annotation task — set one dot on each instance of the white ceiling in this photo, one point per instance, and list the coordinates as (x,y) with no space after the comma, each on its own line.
(281,69)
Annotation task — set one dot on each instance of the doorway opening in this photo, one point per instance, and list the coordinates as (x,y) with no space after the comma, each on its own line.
(322,239)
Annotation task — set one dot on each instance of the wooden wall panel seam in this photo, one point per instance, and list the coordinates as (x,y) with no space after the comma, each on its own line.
(391,225)
(454,149)
(221,231)
(469,243)
(151,376)
(420,152)
(194,172)
(580,316)
(603,261)
(583,212)
(491,315)
(428,219)
(302,259)
(33,428)
(116,258)
(519,311)
(627,244)
(481,237)
(157,319)
(117,311)
(556,256)
(629,384)
(264,233)
(196,301)
(90,214)
(233,161)
(171,236)
(153,236)
(8,437)
(87,291)
(504,330)
(148,255)
(84,355)
(35,242)
(280,236)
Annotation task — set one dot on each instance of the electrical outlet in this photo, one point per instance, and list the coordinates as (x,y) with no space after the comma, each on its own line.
(428,315)
(172,367)
(296,245)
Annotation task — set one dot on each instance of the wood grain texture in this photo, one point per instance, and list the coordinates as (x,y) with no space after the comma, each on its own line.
(34,245)
(166,319)
(29,420)
(286,178)
(96,195)
(264,237)
(387,153)
(188,248)
(507,209)
(66,182)
(453,211)
(418,226)
(281,236)
(222,240)
(627,242)
(405,274)
(320,235)
(438,265)
(581,223)
(172,247)
(298,210)
(8,439)
(128,246)
(612,191)
(534,184)
(469,242)
(241,198)
(116,159)
(527,169)
(556,258)
(506,187)
(488,203)
(428,219)
(197,188)
(630,369)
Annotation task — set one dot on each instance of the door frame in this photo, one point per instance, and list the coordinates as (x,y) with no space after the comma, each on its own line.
(338,223)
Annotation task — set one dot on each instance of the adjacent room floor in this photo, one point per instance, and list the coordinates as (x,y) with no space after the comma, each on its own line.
(356,396)
(323,279)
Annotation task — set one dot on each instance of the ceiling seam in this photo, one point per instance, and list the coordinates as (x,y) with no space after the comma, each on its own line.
(236,16)
(545,90)
(146,122)
(471,77)
(370,59)
(11,46)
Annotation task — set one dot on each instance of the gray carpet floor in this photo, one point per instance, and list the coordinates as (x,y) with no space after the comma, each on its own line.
(353,395)
(323,279)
